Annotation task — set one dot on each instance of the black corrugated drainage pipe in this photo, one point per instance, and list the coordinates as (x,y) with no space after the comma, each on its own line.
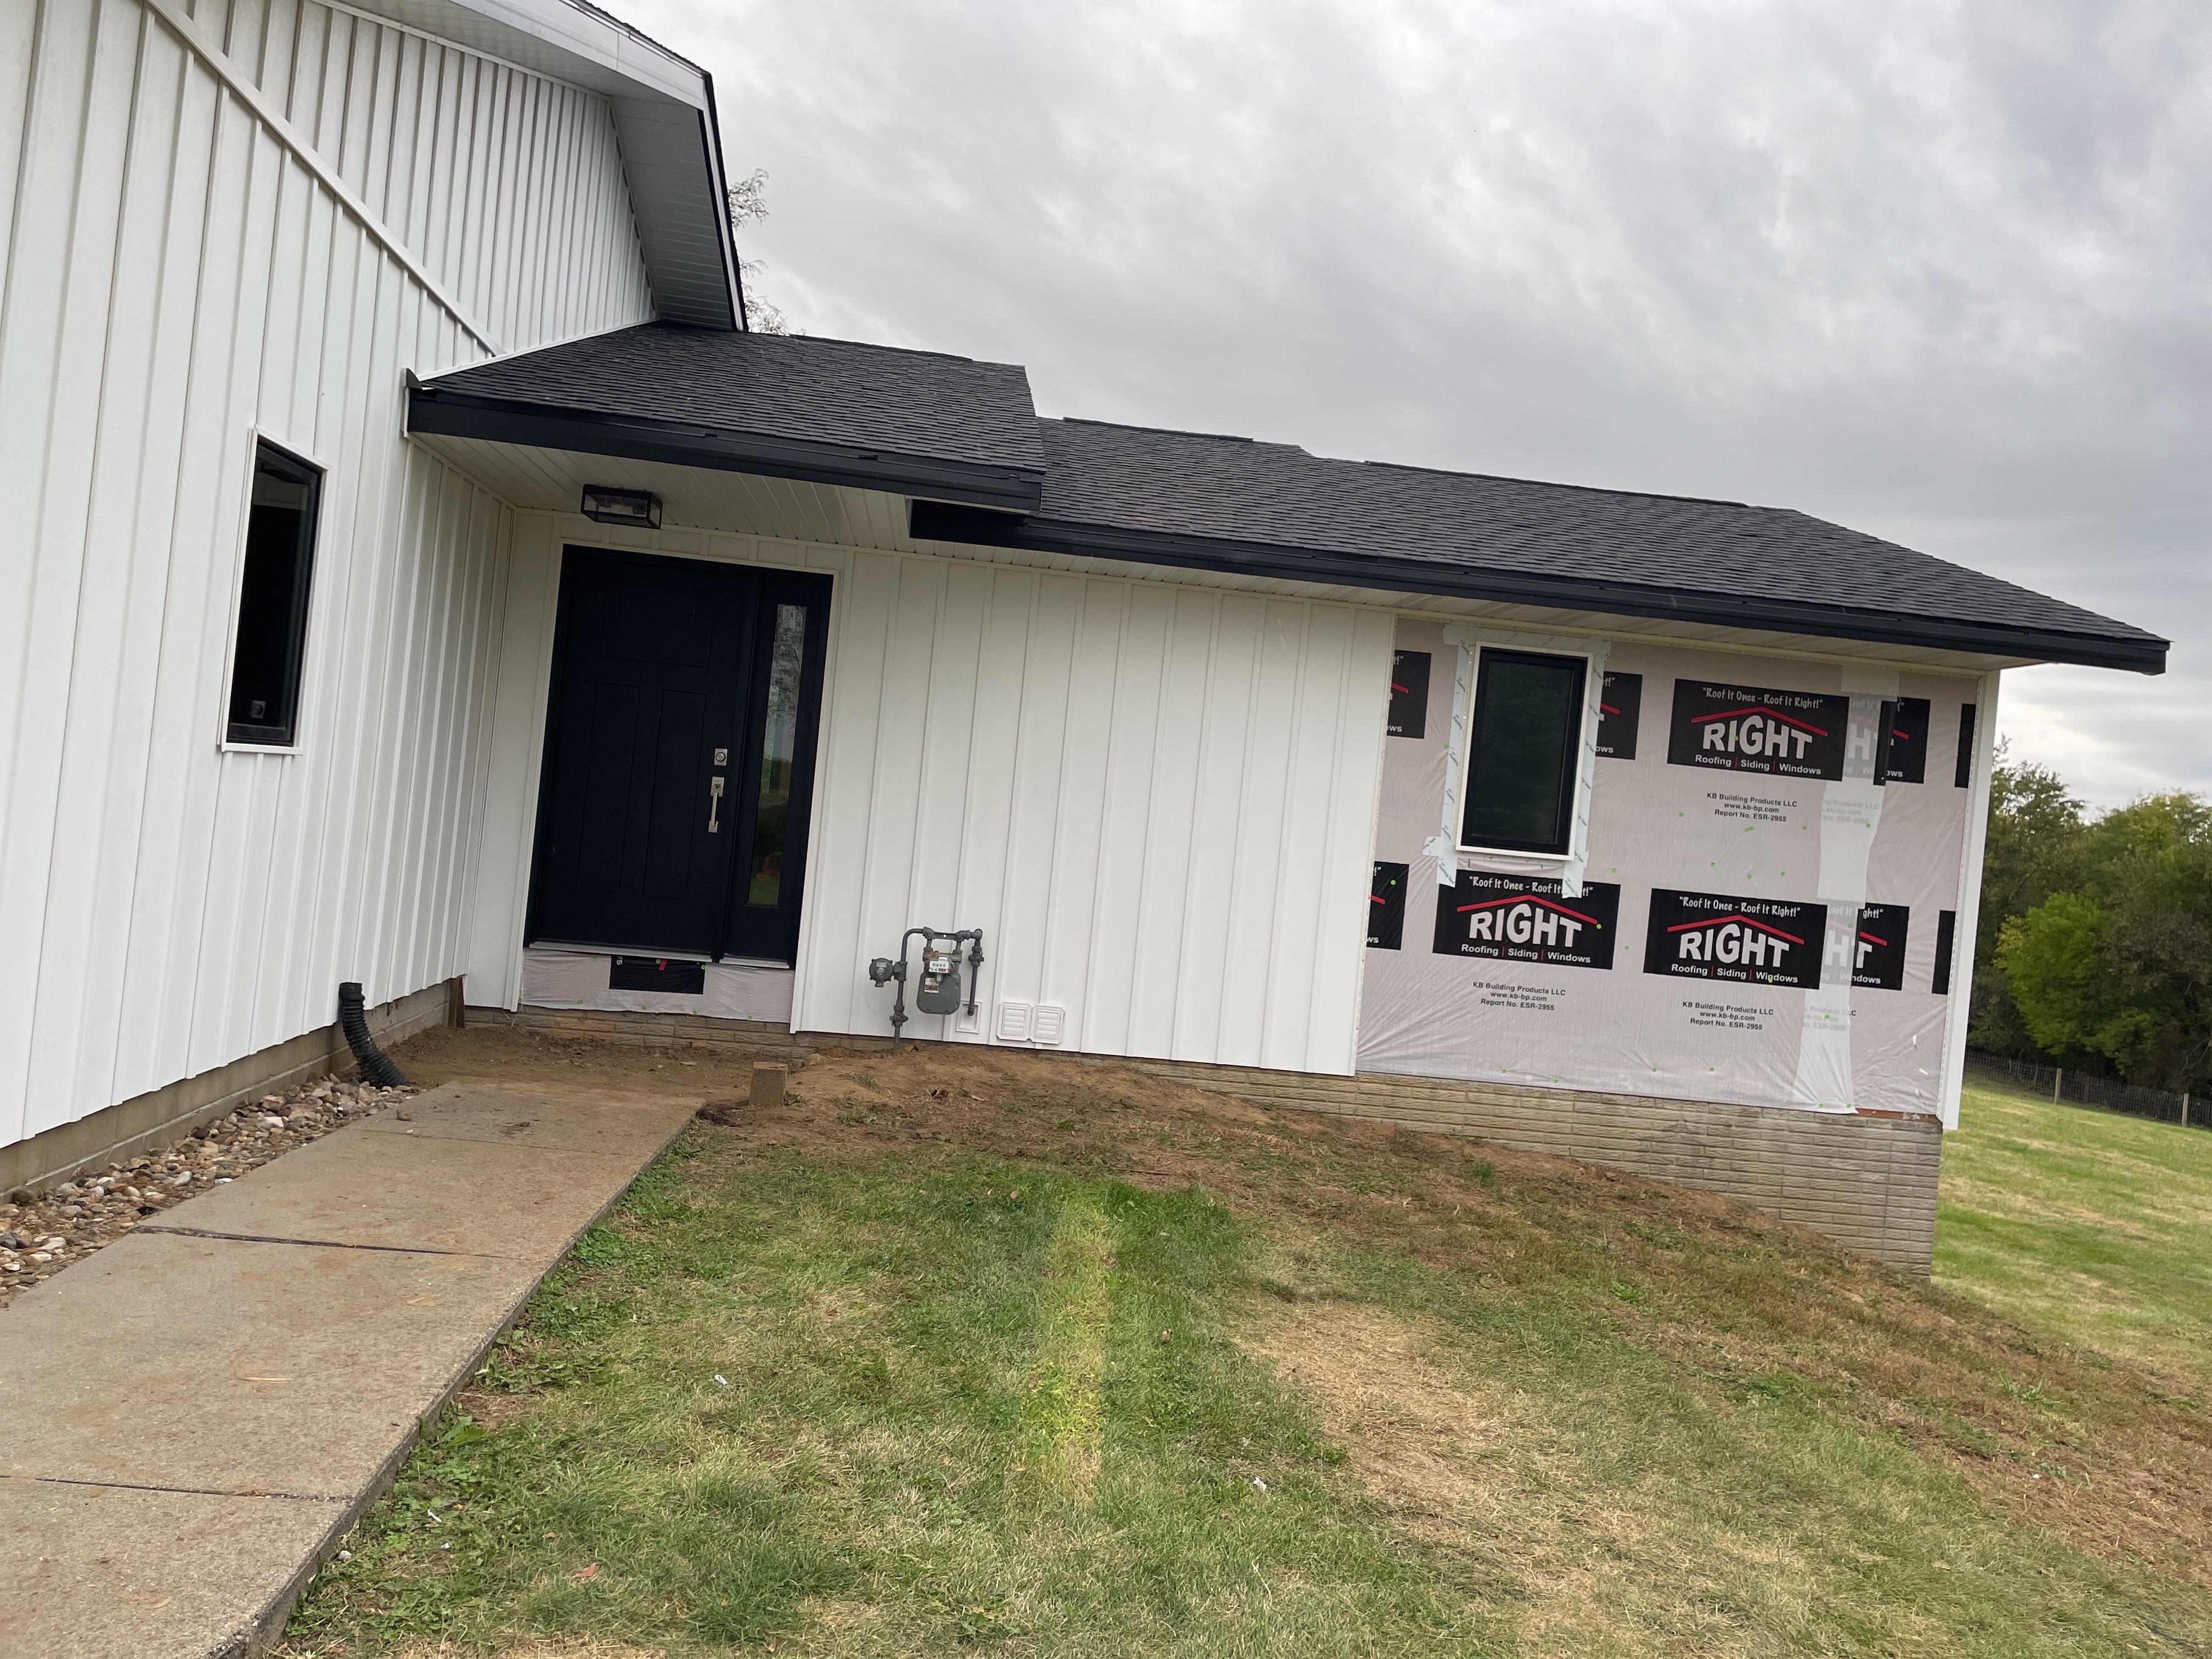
(376,1066)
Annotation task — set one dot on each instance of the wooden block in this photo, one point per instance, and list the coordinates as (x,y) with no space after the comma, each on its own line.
(768,1085)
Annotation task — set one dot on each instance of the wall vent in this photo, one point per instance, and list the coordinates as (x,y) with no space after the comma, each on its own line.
(1014,1022)
(1048,1024)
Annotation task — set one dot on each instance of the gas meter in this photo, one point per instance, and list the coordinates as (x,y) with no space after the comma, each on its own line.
(941,979)
(939,991)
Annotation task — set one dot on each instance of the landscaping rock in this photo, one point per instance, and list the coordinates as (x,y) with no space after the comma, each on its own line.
(45,1232)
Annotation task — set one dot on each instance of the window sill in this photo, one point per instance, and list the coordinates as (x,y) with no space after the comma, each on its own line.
(1514,853)
(228,747)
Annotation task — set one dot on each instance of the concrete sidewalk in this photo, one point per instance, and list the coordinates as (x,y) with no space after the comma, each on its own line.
(191,1418)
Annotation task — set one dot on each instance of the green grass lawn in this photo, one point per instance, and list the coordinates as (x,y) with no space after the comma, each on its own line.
(955,1355)
(2094,1227)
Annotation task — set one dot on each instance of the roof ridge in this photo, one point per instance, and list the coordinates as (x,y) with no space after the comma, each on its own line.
(669,325)
(1433,471)
(589,9)
(1175,432)
(1587,490)
(902,351)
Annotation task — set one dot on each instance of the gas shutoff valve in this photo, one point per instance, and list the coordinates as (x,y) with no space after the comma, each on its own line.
(939,991)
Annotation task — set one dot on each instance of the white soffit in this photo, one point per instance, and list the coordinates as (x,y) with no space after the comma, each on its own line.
(665,149)
(663,112)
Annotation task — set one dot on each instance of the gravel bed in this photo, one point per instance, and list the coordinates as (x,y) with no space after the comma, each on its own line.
(69,1222)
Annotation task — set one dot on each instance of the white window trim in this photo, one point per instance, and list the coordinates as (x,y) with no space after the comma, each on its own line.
(1578,805)
(255,435)
(1445,846)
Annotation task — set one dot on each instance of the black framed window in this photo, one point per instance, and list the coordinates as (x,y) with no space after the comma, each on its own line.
(272,599)
(1524,740)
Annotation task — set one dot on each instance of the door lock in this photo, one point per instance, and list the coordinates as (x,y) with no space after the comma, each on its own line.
(713,807)
(721,757)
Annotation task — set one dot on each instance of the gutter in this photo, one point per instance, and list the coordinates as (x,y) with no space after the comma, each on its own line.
(930,520)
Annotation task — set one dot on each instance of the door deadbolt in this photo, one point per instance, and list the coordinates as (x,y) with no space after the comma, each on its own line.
(721,757)
(713,807)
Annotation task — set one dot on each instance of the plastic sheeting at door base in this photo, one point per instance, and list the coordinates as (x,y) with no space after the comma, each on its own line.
(1762,911)
(555,978)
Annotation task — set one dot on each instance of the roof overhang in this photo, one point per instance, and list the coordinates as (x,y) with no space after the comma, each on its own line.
(492,420)
(935,521)
(663,109)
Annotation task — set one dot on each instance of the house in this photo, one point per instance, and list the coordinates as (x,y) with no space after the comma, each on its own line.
(420,578)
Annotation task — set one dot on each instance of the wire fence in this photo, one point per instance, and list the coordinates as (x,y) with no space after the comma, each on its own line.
(2100,1094)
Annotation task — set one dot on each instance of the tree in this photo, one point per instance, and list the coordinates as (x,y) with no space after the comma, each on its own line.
(2031,852)
(2053,961)
(748,205)
(2117,963)
(2034,838)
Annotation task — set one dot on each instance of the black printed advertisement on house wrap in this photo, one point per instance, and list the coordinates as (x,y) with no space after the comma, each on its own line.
(1385,907)
(1904,740)
(1528,919)
(1873,952)
(1619,711)
(1720,936)
(1409,695)
(1748,728)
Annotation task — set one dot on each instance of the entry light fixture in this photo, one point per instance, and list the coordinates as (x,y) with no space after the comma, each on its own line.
(638,509)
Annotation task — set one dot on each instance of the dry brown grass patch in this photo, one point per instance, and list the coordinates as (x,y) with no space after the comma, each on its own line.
(1412,1435)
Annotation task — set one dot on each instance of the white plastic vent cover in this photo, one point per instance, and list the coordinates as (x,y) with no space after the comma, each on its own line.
(1049,1025)
(1014,1022)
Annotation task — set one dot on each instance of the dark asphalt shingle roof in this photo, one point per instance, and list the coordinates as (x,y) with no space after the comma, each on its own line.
(780,385)
(1181,484)
(950,429)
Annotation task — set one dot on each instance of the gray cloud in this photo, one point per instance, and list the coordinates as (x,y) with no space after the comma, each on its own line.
(1938,271)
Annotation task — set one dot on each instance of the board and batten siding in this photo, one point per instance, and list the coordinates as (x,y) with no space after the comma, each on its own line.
(1156,801)
(469,162)
(186,262)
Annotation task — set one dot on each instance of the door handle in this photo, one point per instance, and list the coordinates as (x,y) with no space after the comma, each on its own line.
(714,806)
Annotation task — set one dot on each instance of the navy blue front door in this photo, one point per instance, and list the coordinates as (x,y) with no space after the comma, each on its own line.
(679,756)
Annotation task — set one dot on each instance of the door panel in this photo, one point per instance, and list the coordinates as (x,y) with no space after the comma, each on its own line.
(671,832)
(650,676)
(660,667)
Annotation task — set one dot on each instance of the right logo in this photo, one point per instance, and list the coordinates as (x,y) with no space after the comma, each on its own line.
(1872,954)
(1752,941)
(1748,728)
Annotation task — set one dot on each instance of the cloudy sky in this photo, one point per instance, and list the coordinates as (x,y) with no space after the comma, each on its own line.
(1938,271)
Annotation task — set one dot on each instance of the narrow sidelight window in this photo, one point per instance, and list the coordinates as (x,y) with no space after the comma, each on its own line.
(273,600)
(1523,741)
(779,744)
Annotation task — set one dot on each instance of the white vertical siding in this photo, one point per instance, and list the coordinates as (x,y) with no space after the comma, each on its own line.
(1157,800)
(472,163)
(178,272)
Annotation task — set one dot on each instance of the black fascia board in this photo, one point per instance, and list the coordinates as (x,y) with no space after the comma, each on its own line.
(931,522)
(710,140)
(500,420)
